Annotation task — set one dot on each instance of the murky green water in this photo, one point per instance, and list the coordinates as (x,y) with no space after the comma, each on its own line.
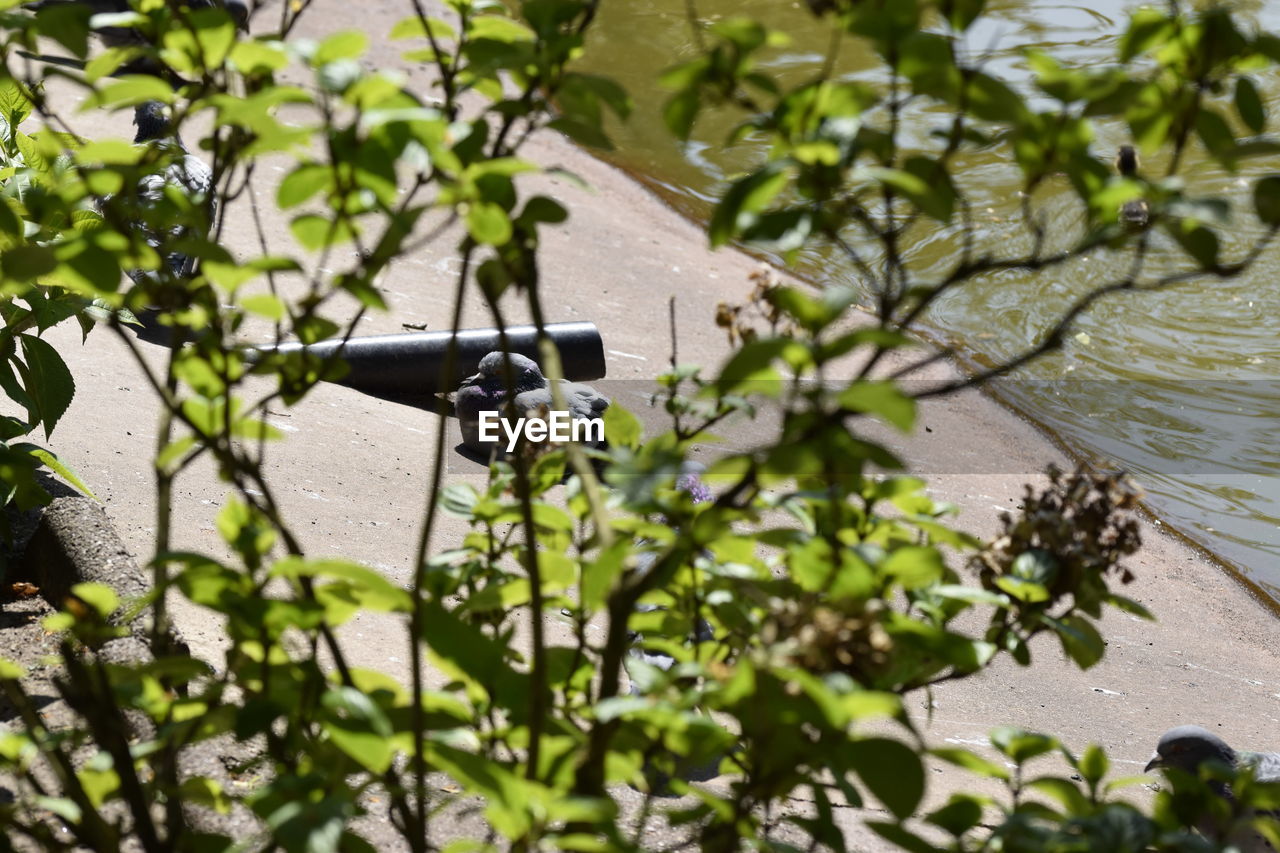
(1181,386)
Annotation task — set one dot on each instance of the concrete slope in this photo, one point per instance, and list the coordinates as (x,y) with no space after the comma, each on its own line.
(351,474)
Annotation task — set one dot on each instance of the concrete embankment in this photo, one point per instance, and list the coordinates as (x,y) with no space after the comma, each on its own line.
(352,471)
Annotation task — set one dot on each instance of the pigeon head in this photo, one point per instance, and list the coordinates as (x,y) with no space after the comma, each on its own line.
(1188,747)
(154,120)
(525,371)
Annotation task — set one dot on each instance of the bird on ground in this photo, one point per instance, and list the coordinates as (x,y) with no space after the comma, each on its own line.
(1188,748)
(186,172)
(1136,212)
(531,394)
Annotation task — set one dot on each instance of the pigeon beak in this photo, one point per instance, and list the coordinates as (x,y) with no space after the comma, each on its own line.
(1154,764)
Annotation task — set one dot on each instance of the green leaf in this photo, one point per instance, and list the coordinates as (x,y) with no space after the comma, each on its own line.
(265,305)
(1198,241)
(68,25)
(11,671)
(543,209)
(1217,136)
(961,813)
(1022,589)
(62,807)
(1093,765)
(348,44)
(1037,565)
(1128,605)
(970,761)
(1080,639)
(923,182)
(680,112)
(962,13)
(111,152)
(599,574)
(1021,746)
(459,499)
(746,198)
(255,57)
(883,399)
(24,263)
(414,27)
(467,654)
(1249,105)
(1266,199)
(902,787)
(1065,792)
(99,596)
(316,232)
(200,44)
(49,386)
(99,779)
(15,106)
(361,585)
(500,28)
(584,93)
(582,132)
(302,183)
(901,837)
(914,566)
(10,222)
(752,366)
(359,728)
(621,428)
(488,223)
(109,61)
(991,99)
(1147,28)
(57,466)
(129,91)
(206,792)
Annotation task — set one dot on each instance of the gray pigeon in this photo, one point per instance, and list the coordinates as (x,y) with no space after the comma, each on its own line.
(1134,213)
(187,172)
(486,391)
(1186,748)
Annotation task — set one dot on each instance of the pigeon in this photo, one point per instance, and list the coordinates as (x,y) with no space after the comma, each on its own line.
(1186,748)
(487,391)
(187,172)
(1135,213)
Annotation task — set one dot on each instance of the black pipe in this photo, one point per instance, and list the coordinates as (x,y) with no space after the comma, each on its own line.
(412,365)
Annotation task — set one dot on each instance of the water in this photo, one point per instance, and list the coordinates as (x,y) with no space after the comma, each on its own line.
(1181,386)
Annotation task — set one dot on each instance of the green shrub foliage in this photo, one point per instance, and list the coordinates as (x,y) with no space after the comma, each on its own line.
(833,584)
